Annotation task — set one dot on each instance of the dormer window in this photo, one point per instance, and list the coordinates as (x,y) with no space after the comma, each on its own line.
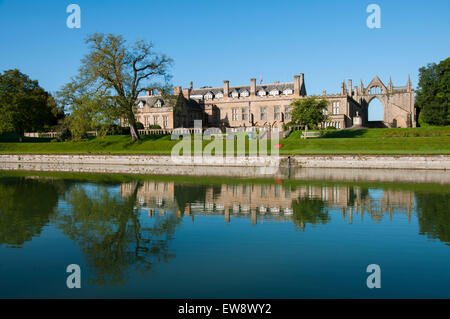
(274,92)
(209,96)
(287,91)
(159,103)
(245,93)
(141,104)
(219,95)
(235,94)
(262,92)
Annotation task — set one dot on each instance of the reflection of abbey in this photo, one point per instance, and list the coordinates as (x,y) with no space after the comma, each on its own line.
(268,105)
(271,201)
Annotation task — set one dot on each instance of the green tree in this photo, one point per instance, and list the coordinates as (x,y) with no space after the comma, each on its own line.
(308,111)
(121,72)
(87,110)
(24,105)
(433,93)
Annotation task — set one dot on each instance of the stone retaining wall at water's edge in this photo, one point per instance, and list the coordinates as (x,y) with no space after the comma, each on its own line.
(425,169)
(439,162)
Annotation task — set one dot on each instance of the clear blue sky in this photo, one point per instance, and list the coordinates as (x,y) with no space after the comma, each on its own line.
(212,41)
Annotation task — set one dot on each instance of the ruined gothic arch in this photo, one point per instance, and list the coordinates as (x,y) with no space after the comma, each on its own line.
(398,103)
(381,99)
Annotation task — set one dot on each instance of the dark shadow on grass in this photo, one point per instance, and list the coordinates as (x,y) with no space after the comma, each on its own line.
(14,138)
(344,133)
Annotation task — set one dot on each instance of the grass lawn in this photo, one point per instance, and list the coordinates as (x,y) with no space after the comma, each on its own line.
(429,140)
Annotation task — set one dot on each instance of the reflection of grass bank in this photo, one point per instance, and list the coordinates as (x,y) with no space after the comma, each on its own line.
(205,180)
(421,141)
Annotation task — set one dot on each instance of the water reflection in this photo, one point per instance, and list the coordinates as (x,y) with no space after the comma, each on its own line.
(305,204)
(127,228)
(111,234)
(26,206)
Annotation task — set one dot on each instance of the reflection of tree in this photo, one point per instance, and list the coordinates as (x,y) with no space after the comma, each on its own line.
(434,216)
(26,205)
(309,210)
(111,235)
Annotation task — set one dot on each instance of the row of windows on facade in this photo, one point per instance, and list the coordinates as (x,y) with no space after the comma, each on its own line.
(263,114)
(245,93)
(332,124)
(276,113)
(155,118)
(311,192)
(334,109)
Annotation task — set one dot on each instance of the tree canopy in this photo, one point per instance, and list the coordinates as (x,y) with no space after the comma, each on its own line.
(433,93)
(116,73)
(24,105)
(308,111)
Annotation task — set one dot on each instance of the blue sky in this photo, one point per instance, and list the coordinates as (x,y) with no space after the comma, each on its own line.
(211,41)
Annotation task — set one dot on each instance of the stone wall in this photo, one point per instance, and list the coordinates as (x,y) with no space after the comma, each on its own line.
(432,169)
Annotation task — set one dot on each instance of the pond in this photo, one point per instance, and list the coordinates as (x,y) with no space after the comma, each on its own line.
(186,237)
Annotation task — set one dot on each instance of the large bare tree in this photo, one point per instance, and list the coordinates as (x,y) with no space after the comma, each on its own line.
(123,71)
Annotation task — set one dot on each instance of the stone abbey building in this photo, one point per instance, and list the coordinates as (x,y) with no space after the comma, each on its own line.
(268,105)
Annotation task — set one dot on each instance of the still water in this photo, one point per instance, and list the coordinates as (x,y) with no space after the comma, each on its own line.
(217,238)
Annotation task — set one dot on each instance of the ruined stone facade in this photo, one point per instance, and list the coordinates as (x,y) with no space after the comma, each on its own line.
(268,105)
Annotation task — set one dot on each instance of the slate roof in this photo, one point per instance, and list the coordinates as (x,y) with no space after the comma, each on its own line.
(267,87)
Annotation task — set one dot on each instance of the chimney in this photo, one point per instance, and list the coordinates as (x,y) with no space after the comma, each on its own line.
(252,87)
(324,92)
(191,84)
(187,94)
(343,89)
(350,86)
(150,92)
(226,89)
(302,85)
(297,85)
(177,90)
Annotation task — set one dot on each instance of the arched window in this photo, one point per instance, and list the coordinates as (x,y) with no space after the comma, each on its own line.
(375,90)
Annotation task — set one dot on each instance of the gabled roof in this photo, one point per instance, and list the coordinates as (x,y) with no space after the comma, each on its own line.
(376,82)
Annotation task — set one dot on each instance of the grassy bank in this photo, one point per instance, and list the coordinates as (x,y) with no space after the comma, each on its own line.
(413,141)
